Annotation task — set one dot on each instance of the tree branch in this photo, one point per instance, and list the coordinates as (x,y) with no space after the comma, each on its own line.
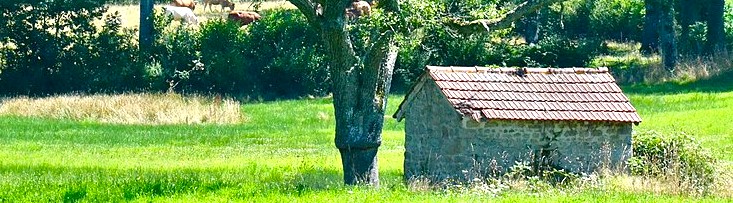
(486,25)
(378,51)
(308,8)
(376,70)
(335,10)
(374,60)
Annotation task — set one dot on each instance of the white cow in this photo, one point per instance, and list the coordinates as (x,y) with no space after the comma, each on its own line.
(182,14)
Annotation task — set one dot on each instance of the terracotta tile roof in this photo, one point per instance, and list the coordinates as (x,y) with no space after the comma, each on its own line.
(582,94)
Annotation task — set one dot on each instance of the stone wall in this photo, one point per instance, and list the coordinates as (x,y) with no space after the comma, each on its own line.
(441,144)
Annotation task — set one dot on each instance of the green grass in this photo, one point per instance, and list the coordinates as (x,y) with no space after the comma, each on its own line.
(284,153)
(706,116)
(702,109)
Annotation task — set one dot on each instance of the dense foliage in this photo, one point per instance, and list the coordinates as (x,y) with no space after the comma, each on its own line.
(54,47)
(619,20)
(277,57)
(273,58)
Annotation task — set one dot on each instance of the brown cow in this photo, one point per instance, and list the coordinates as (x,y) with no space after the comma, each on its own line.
(359,8)
(223,3)
(184,3)
(243,17)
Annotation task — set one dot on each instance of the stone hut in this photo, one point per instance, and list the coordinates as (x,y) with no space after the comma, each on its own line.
(469,122)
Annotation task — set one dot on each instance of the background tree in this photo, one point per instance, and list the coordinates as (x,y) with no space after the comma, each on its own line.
(716,30)
(690,12)
(667,42)
(650,34)
(531,25)
(701,28)
(146,25)
(361,82)
(659,31)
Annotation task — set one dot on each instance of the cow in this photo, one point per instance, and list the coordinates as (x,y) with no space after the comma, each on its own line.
(185,3)
(243,17)
(223,3)
(359,8)
(182,14)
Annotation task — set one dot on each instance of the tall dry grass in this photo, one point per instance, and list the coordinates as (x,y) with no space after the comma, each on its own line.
(151,109)
(722,185)
(608,181)
(631,66)
(692,68)
(522,177)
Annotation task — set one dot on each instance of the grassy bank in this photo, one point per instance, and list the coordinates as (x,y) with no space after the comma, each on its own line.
(285,152)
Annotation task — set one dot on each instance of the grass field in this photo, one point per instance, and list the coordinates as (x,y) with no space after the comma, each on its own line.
(285,153)
(131,13)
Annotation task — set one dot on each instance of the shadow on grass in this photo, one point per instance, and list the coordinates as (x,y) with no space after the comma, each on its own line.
(717,84)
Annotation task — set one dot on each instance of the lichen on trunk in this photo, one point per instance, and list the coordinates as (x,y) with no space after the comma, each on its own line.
(360,108)
(359,89)
(361,84)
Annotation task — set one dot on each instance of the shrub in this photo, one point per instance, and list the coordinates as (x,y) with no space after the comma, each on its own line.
(288,55)
(728,23)
(439,47)
(676,156)
(224,55)
(176,49)
(51,56)
(554,51)
(618,19)
(279,56)
(115,65)
(65,51)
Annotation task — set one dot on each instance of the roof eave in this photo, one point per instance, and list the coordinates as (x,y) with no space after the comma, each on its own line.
(400,113)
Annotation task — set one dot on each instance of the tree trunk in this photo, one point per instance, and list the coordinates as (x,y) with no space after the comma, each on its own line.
(361,84)
(360,98)
(689,13)
(650,34)
(532,28)
(667,41)
(360,88)
(146,25)
(716,30)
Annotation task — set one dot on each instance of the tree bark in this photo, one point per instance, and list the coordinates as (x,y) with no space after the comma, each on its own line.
(146,25)
(361,85)
(531,30)
(485,25)
(650,34)
(668,45)
(716,30)
(360,88)
(690,11)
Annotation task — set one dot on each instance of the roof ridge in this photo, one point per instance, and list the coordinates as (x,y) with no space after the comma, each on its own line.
(524,70)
